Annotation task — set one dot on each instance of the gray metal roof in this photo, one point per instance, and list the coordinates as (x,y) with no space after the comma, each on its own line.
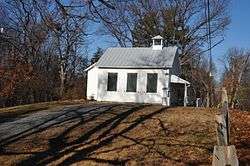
(138,57)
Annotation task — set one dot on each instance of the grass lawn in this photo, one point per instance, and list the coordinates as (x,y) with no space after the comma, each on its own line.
(129,134)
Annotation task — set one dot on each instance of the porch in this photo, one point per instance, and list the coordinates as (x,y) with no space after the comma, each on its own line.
(178,91)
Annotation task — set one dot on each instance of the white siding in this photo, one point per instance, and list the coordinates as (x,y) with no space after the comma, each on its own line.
(140,96)
(92,82)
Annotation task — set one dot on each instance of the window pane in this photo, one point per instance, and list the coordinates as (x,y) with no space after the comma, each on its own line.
(112,81)
(152,82)
(131,82)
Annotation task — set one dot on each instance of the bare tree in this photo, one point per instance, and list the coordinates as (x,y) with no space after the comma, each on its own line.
(135,22)
(41,53)
(237,63)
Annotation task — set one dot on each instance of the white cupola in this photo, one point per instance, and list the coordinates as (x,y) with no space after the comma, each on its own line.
(157,42)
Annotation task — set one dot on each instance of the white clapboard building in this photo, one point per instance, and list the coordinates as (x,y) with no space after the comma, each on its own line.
(139,75)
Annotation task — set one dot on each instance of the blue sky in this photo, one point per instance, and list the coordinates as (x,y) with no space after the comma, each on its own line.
(237,34)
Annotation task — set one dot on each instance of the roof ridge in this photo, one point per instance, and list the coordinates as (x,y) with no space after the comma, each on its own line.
(139,47)
(132,47)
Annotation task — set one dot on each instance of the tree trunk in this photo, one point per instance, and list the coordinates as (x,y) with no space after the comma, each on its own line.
(62,78)
(208,100)
(237,85)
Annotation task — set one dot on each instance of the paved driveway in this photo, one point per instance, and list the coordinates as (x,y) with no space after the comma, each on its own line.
(11,131)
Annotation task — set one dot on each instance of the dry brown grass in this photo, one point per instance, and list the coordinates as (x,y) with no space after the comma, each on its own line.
(125,135)
(240,134)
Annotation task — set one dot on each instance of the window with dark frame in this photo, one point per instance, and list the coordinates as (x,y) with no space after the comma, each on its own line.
(152,82)
(112,82)
(131,82)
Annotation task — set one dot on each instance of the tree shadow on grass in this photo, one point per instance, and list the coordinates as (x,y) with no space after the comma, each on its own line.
(59,149)
(99,138)
(71,114)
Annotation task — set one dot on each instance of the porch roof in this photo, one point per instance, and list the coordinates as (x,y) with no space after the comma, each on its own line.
(176,79)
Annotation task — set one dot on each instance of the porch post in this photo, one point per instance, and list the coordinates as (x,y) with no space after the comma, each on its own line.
(185,95)
(165,89)
(164,97)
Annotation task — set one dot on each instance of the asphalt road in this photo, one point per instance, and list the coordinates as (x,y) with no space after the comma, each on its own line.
(19,127)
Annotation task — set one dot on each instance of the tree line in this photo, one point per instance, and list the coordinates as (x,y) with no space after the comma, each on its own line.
(43,42)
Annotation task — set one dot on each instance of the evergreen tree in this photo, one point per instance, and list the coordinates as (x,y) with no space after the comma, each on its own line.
(97,55)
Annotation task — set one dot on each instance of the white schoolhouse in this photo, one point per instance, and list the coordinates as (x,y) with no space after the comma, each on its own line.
(139,75)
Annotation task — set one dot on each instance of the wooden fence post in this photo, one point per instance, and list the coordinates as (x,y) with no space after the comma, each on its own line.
(221,130)
(224,155)
(225,112)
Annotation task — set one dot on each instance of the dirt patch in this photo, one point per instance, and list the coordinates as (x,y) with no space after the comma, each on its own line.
(128,135)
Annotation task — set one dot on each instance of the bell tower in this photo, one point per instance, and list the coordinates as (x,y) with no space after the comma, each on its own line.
(157,42)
